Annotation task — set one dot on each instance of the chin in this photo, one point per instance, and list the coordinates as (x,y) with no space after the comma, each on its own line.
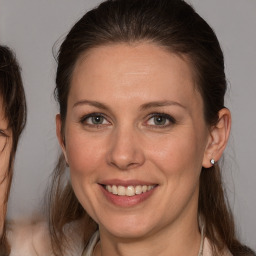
(128,228)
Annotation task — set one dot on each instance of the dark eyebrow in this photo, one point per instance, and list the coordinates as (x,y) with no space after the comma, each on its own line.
(91,103)
(142,107)
(160,104)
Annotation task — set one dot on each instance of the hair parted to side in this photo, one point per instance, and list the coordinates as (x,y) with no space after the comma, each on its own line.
(15,111)
(174,25)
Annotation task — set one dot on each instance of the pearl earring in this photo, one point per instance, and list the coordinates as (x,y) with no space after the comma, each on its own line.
(212,161)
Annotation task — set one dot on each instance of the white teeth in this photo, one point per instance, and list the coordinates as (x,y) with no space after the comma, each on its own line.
(109,188)
(121,190)
(114,190)
(150,187)
(138,190)
(144,188)
(129,190)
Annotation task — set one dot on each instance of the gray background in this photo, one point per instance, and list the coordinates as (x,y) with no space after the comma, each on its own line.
(32,27)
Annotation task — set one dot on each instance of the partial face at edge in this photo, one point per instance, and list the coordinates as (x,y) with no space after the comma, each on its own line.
(5,150)
(135,119)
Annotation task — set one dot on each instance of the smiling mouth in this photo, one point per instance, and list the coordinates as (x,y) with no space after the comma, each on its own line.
(128,190)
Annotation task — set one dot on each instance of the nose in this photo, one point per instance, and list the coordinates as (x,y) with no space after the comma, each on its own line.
(125,152)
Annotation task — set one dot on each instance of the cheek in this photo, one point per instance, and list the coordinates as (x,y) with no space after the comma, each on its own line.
(4,181)
(5,152)
(177,154)
(178,160)
(84,153)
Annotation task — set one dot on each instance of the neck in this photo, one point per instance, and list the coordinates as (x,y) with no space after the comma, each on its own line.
(172,241)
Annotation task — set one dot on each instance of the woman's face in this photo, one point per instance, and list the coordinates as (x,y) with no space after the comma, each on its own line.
(5,150)
(135,138)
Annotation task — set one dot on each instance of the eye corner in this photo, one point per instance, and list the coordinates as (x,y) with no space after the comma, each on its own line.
(3,133)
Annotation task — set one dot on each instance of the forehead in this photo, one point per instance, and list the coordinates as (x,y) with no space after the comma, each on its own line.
(137,69)
(139,57)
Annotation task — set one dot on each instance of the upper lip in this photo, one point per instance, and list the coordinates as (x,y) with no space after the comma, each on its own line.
(126,183)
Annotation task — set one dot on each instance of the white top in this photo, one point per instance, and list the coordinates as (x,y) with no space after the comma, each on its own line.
(33,240)
(205,247)
(29,239)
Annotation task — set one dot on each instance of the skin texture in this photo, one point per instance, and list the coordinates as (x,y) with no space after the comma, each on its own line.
(127,84)
(5,149)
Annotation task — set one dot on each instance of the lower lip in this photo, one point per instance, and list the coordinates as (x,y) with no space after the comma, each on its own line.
(127,201)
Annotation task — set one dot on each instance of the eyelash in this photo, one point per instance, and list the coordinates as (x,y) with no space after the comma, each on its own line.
(86,117)
(169,118)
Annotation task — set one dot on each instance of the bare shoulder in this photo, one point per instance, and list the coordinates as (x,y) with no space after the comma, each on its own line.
(29,238)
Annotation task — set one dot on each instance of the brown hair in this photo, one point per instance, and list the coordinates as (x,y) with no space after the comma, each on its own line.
(172,24)
(14,107)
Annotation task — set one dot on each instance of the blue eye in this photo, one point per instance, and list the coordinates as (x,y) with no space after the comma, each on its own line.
(94,119)
(159,119)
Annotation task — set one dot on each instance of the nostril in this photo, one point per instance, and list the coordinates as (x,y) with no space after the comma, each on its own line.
(122,166)
(124,153)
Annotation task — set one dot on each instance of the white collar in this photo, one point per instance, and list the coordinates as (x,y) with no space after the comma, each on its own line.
(96,237)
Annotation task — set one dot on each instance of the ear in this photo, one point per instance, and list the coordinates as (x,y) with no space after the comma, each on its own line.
(60,137)
(218,138)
